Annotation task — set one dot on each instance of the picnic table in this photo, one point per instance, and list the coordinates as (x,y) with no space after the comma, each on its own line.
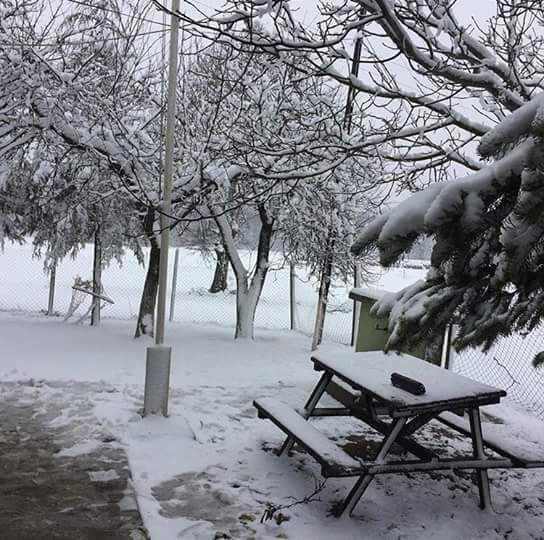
(397,414)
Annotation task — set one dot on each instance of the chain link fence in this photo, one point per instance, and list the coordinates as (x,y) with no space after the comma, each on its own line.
(25,287)
(508,365)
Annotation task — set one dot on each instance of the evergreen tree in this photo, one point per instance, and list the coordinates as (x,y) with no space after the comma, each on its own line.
(488,231)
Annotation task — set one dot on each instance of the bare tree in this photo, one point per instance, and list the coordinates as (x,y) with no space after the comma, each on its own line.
(259,132)
(430,84)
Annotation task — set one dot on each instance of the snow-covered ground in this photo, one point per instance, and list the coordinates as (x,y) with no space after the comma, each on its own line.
(209,468)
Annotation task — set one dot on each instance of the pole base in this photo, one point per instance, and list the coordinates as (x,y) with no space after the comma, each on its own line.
(157,380)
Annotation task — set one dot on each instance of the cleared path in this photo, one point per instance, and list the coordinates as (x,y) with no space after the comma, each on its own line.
(46,496)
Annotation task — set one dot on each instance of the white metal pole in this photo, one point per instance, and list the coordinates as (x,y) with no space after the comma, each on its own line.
(168,172)
(157,374)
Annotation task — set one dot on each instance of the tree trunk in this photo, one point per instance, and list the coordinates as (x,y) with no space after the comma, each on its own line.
(324,287)
(245,311)
(247,294)
(219,282)
(146,315)
(247,299)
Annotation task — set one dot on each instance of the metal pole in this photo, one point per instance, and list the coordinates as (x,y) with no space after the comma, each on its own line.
(157,375)
(168,172)
(174,286)
(292,302)
(52,277)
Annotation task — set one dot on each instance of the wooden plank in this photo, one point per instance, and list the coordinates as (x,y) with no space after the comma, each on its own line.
(343,395)
(331,411)
(405,442)
(352,399)
(333,460)
(92,293)
(522,457)
(456,464)
(353,402)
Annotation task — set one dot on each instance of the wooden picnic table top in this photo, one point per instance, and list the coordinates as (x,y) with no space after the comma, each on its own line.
(370,372)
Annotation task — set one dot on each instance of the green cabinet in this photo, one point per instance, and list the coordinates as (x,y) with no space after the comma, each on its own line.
(372,333)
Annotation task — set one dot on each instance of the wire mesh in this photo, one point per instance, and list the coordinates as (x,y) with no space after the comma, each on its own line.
(24,286)
(508,365)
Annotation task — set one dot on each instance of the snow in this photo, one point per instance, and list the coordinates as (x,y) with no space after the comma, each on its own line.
(511,128)
(70,352)
(482,182)
(430,208)
(372,370)
(307,433)
(209,468)
(371,293)
(103,476)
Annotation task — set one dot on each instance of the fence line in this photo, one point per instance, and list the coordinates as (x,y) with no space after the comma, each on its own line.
(24,286)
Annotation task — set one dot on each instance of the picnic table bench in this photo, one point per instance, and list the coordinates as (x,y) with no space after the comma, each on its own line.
(497,436)
(397,414)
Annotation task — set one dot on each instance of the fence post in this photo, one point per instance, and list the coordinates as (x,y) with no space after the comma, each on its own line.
(51,301)
(97,278)
(356,305)
(446,352)
(292,298)
(174,286)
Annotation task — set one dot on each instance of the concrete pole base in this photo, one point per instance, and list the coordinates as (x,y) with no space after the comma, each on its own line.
(157,380)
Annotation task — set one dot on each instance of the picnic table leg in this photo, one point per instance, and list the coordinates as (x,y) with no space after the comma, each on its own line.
(311,404)
(478,452)
(364,481)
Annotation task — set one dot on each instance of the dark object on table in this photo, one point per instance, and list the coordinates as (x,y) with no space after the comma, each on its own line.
(405,383)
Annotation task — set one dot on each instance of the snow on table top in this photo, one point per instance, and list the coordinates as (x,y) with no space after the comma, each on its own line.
(308,434)
(372,371)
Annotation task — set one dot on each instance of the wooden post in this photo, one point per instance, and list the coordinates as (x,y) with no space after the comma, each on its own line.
(323,298)
(174,286)
(319,317)
(52,277)
(292,298)
(356,305)
(446,353)
(97,278)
